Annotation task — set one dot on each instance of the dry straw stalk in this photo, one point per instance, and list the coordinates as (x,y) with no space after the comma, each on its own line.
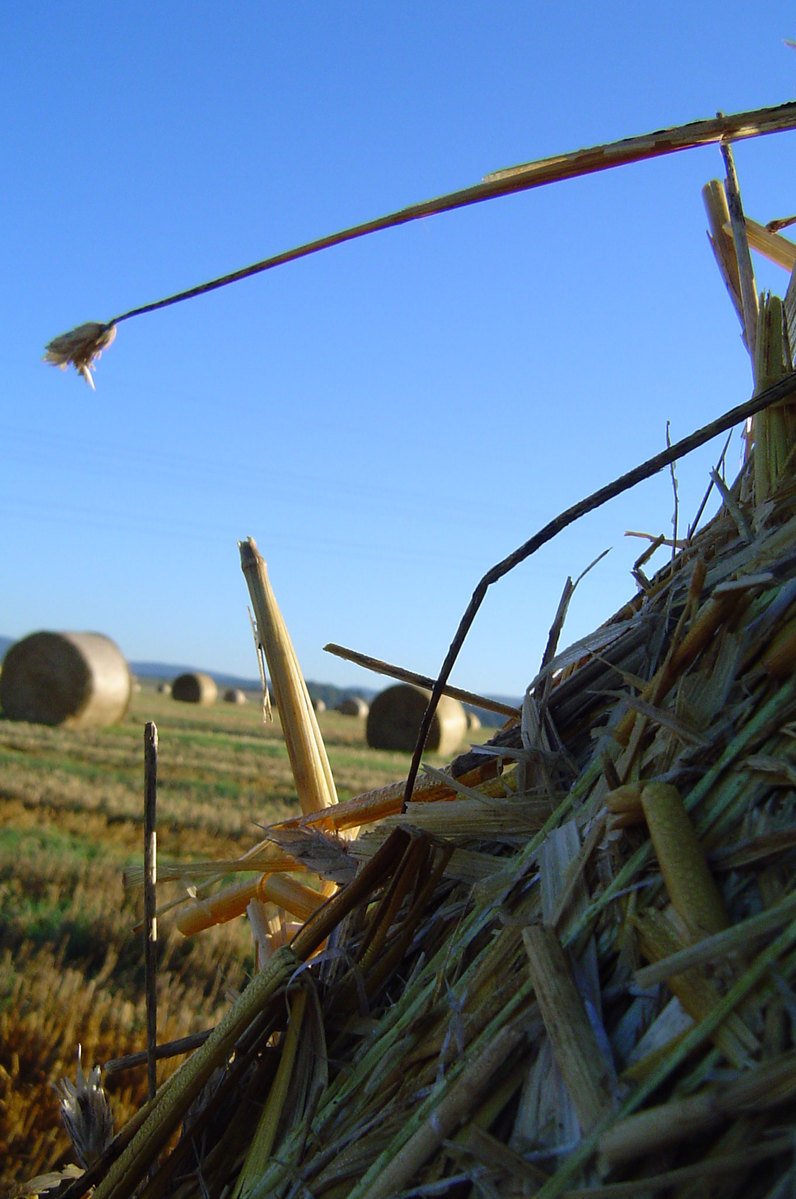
(83,345)
(265,1134)
(174,1098)
(768,1085)
(308,760)
(567,1023)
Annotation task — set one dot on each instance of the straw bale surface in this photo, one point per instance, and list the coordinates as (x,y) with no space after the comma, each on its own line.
(234,695)
(395,715)
(487,1012)
(194,687)
(77,680)
(568,967)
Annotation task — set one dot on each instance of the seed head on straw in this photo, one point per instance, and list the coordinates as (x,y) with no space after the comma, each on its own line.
(86,1113)
(81,347)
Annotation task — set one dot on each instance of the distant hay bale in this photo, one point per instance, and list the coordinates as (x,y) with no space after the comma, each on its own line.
(164,688)
(194,688)
(76,680)
(318,705)
(395,715)
(234,695)
(353,706)
(473,722)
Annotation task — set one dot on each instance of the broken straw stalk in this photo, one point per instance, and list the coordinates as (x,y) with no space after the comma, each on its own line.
(309,762)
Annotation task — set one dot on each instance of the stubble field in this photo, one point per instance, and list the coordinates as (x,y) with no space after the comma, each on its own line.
(71,962)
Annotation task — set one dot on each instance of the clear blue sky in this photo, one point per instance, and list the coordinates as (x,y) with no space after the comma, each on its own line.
(391,417)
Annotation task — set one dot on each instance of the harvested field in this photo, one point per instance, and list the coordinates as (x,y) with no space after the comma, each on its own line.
(71,965)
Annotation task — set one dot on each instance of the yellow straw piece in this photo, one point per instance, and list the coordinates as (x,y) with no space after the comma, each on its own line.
(773,431)
(624,804)
(308,761)
(768,1085)
(289,894)
(232,902)
(225,905)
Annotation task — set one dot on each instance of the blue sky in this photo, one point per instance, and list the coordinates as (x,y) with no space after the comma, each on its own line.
(391,417)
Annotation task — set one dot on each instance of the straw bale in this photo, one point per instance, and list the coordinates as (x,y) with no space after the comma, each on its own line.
(532,974)
(473,722)
(234,695)
(164,688)
(353,705)
(76,680)
(194,687)
(318,705)
(395,715)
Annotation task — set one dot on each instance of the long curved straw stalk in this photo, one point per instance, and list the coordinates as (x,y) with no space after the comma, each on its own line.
(82,346)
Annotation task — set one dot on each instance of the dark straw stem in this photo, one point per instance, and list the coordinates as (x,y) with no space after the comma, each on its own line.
(150,900)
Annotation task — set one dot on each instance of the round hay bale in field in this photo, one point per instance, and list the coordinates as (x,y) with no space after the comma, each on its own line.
(473,722)
(353,706)
(395,715)
(194,688)
(164,688)
(318,705)
(234,695)
(77,680)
